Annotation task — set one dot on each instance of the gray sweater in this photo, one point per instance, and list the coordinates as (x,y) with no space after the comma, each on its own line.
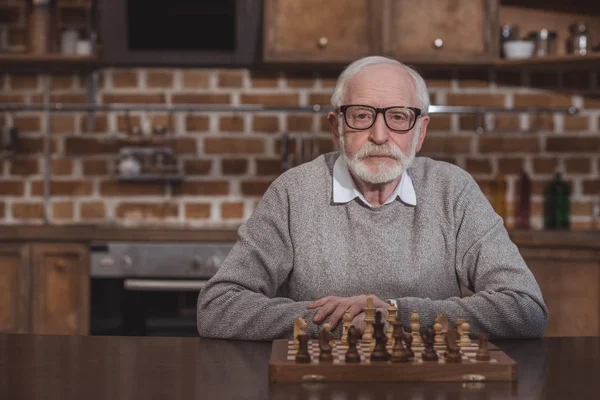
(298,246)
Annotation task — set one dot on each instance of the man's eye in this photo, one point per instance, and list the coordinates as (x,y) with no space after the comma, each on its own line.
(362,116)
(399,117)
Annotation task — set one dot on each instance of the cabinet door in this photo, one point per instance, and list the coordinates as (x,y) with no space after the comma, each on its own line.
(60,289)
(15,311)
(442,30)
(316,30)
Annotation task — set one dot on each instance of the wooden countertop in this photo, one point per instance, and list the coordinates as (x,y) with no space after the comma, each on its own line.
(86,233)
(51,367)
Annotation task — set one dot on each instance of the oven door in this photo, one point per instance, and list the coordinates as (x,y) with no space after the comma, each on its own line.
(144,307)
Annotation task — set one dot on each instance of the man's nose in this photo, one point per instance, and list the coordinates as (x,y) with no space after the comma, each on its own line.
(379,131)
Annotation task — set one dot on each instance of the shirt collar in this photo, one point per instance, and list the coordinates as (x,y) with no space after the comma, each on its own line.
(344,189)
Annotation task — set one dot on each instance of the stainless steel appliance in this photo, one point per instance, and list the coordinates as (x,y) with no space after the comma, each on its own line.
(150,289)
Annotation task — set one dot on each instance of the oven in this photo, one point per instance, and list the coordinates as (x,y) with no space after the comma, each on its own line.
(149,289)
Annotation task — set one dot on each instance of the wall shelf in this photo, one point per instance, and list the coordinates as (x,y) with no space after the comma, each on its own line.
(52,62)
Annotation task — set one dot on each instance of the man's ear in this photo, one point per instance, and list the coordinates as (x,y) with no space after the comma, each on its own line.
(334,125)
(422,131)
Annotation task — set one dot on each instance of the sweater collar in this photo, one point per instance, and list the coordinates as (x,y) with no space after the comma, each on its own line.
(344,189)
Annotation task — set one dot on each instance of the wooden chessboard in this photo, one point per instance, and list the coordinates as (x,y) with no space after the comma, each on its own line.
(283,368)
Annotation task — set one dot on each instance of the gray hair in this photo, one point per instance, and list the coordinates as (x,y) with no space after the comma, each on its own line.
(359,65)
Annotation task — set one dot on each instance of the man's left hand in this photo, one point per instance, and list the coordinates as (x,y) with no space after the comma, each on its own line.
(335,307)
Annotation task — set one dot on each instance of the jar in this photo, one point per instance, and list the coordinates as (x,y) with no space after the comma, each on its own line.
(545,42)
(579,43)
(40,27)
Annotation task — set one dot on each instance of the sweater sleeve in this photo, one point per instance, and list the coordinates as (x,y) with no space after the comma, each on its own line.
(507,301)
(240,301)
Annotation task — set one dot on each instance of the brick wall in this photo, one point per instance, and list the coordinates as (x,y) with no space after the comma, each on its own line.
(230,159)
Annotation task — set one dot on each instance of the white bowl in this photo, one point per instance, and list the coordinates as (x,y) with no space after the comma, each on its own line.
(518,48)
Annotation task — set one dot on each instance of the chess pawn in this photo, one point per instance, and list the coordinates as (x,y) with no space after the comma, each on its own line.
(347,321)
(464,336)
(415,327)
(303,355)
(408,338)
(482,352)
(399,352)
(437,328)
(352,355)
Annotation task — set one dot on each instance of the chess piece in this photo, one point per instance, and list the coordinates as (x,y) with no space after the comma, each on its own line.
(299,328)
(303,356)
(415,327)
(399,352)
(367,336)
(429,353)
(453,352)
(325,349)
(347,321)
(483,353)
(408,339)
(437,328)
(380,352)
(352,355)
(464,337)
(392,311)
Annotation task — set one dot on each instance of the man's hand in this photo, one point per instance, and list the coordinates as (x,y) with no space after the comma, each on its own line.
(335,307)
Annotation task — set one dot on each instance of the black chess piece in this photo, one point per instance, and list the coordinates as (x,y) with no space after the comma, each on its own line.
(429,353)
(325,350)
(303,356)
(399,352)
(483,353)
(352,355)
(379,353)
(453,352)
(408,339)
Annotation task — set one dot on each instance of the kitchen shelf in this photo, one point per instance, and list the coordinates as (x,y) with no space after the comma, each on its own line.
(588,61)
(21,62)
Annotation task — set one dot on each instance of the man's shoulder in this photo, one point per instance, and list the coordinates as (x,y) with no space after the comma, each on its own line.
(437,176)
(309,175)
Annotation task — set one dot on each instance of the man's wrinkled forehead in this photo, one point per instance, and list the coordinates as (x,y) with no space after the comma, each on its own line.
(385,82)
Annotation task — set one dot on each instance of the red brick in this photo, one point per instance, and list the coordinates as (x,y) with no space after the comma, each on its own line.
(63,188)
(446,144)
(2,210)
(437,123)
(474,78)
(264,79)
(299,123)
(23,166)
(146,210)
(510,165)
(197,167)
(196,98)
(581,209)
(508,144)
(475,166)
(128,123)
(470,123)
(62,210)
(578,165)
(62,166)
(572,144)
(12,188)
(193,79)
(62,82)
(270,99)
(185,145)
(68,98)
(232,210)
(119,189)
(28,210)
(323,99)
(476,100)
(576,123)
(92,210)
(233,123)
(591,101)
(128,79)
(268,167)
(506,123)
(254,188)
(63,123)
(197,210)
(87,146)
(549,99)
(545,165)
(133,98)
(94,167)
(159,79)
(34,145)
(194,123)
(234,166)
(11,98)
(265,124)
(300,79)
(100,123)
(234,146)
(591,187)
(231,78)
(23,82)
(202,188)
(27,123)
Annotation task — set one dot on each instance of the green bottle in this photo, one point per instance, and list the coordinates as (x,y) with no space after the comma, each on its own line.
(557,204)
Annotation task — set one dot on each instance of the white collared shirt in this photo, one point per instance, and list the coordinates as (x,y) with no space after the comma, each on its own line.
(344,189)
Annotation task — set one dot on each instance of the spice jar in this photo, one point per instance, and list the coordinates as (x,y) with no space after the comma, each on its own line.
(40,26)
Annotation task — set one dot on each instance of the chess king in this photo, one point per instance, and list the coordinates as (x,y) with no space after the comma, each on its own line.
(372,220)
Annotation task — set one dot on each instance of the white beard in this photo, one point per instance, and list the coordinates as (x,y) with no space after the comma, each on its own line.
(382,173)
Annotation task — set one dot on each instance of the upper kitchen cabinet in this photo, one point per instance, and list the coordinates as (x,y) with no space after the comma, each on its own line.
(460,31)
(320,31)
(14,288)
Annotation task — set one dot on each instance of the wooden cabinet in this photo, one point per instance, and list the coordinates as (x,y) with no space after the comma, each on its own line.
(61,289)
(14,288)
(44,288)
(441,30)
(314,30)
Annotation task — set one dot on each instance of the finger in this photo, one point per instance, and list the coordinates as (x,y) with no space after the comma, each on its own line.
(320,302)
(354,310)
(338,314)
(324,311)
(359,323)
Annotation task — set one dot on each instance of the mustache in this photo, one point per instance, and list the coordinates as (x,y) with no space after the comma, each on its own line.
(372,150)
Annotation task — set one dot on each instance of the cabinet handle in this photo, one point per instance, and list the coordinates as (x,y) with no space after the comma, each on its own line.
(60,265)
(438,43)
(323,42)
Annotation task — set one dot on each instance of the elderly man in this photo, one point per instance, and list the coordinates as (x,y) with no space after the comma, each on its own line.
(374,221)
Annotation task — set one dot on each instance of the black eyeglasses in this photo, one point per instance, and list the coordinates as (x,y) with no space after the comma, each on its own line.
(397,118)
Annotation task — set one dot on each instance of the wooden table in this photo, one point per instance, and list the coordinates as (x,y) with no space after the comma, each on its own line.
(93,367)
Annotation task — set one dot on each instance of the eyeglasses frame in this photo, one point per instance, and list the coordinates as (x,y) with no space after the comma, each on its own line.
(417,111)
